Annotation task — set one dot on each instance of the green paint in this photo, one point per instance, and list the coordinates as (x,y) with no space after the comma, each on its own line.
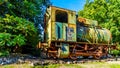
(64,51)
(59,30)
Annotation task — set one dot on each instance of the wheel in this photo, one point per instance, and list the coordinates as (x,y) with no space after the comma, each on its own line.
(98,52)
(97,56)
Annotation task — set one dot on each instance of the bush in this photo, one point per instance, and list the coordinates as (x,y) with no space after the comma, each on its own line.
(16,31)
(115,52)
(4,53)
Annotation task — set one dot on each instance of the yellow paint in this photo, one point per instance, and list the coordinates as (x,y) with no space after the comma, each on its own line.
(74,34)
(72,17)
(65,25)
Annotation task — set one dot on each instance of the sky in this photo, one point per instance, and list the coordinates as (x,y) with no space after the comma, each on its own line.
(75,5)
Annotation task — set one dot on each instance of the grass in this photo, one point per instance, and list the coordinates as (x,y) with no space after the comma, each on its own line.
(48,66)
(85,65)
(59,66)
(16,66)
(99,65)
(115,66)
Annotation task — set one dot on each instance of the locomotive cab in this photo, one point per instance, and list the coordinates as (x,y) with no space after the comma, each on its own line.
(60,27)
(60,24)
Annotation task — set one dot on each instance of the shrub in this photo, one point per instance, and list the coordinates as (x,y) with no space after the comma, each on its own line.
(16,31)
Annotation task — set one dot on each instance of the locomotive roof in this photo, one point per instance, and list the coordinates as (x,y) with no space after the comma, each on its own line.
(63,8)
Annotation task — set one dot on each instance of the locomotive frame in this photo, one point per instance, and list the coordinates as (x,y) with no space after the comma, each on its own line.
(76,49)
(52,47)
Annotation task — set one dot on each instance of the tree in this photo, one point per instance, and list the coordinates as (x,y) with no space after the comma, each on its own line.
(106,12)
(20,22)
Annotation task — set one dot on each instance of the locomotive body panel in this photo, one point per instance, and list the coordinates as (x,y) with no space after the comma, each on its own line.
(71,32)
(93,34)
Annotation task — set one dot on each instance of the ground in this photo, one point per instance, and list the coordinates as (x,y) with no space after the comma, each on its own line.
(108,64)
(28,61)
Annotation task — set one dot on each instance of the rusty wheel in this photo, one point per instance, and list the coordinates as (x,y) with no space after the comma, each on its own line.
(98,53)
(97,57)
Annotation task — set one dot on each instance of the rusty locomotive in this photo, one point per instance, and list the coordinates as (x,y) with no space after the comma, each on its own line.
(66,36)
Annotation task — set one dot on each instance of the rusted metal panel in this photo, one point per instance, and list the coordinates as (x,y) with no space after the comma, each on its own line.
(85,21)
(71,32)
(103,36)
(93,35)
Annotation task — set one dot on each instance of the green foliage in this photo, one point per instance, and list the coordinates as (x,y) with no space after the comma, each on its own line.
(4,38)
(4,53)
(19,22)
(106,12)
(115,52)
(15,31)
(32,10)
(19,40)
(21,8)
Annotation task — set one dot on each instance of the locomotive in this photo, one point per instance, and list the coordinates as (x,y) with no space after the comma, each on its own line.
(69,36)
